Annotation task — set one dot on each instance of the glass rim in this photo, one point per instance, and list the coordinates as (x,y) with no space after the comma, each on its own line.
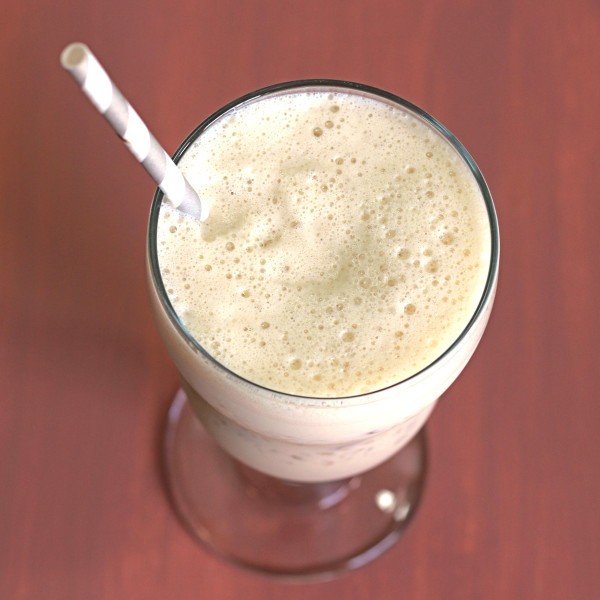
(356,87)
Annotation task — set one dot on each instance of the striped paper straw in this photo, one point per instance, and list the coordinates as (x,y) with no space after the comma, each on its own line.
(99,88)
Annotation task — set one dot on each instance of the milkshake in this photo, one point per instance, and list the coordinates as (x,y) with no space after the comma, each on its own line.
(338,286)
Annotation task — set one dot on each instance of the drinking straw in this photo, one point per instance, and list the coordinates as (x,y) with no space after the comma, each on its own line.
(127,124)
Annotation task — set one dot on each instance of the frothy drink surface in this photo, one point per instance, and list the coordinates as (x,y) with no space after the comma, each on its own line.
(347,245)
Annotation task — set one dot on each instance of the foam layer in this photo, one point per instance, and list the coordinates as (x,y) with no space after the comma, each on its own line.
(347,245)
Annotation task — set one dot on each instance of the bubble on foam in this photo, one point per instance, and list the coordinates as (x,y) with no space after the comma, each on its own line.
(336,224)
(410,309)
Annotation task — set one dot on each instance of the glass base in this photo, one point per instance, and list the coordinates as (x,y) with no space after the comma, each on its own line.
(292,530)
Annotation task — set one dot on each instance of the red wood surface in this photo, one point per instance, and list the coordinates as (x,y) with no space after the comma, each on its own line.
(511,509)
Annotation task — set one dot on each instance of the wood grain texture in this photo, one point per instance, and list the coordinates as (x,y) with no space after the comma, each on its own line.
(511,509)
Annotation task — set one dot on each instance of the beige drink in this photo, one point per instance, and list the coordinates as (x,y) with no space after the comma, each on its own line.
(347,249)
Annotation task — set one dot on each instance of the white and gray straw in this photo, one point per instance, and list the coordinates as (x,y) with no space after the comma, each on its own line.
(127,124)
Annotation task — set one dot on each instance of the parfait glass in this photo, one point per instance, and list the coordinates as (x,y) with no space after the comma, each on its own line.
(294,486)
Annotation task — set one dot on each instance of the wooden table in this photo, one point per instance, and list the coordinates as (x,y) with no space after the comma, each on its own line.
(511,509)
